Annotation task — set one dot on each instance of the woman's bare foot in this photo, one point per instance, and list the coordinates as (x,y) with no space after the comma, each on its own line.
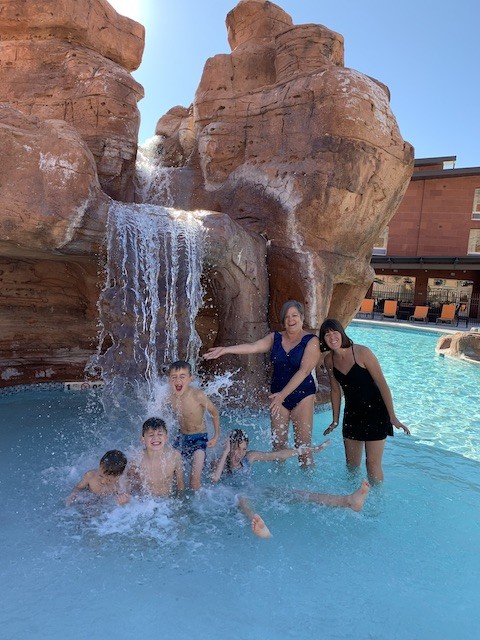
(356,499)
(259,527)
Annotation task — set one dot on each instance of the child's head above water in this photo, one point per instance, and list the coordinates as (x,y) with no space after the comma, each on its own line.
(178,366)
(236,437)
(155,424)
(238,449)
(180,376)
(113,463)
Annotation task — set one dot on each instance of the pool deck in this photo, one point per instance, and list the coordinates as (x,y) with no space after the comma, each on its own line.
(441,328)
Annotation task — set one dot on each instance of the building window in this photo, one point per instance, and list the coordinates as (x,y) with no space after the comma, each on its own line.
(380,246)
(474,241)
(476,205)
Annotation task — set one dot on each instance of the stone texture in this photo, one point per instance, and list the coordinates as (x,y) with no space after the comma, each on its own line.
(93,24)
(236,298)
(51,228)
(300,157)
(48,317)
(70,60)
(50,194)
(464,345)
(178,136)
(300,149)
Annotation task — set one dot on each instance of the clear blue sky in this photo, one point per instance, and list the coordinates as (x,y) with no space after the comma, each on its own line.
(425,51)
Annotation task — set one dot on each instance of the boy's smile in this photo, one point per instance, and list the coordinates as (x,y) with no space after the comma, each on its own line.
(154,438)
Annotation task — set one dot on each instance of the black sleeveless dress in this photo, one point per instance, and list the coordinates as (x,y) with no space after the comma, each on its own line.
(365,416)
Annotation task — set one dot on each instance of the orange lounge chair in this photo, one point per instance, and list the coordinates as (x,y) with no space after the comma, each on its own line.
(390,309)
(420,313)
(367,307)
(447,314)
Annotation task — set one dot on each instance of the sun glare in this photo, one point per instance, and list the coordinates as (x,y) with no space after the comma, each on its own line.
(135,9)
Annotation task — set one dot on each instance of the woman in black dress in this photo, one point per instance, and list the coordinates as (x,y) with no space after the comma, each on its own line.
(369,414)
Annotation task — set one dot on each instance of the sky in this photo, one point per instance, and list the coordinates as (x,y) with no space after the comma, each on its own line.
(425,51)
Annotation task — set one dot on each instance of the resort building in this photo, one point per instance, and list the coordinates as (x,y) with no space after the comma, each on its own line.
(430,253)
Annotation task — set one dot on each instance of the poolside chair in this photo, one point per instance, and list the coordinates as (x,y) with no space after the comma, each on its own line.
(367,307)
(448,313)
(390,309)
(420,313)
(463,314)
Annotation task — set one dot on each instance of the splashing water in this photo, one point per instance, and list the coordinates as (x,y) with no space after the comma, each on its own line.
(152,179)
(151,295)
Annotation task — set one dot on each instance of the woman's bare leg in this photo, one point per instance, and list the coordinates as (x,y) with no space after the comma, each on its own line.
(353,501)
(302,419)
(279,426)
(374,454)
(353,452)
(259,527)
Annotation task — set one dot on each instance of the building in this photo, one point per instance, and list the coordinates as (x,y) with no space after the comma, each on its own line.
(430,252)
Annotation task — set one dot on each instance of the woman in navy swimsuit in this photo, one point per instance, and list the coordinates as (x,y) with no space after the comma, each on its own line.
(369,414)
(294,355)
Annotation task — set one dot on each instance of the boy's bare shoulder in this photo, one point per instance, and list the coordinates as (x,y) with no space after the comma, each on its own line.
(199,394)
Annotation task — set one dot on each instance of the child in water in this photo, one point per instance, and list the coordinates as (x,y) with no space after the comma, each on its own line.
(105,480)
(191,404)
(236,457)
(159,470)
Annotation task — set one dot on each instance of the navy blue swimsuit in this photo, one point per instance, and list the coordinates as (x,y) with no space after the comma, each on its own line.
(365,416)
(286,365)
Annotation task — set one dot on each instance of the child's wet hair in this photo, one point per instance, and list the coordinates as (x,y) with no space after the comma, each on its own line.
(113,462)
(157,424)
(179,364)
(237,436)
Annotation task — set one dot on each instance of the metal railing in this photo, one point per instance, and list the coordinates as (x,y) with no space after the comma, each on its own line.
(468,306)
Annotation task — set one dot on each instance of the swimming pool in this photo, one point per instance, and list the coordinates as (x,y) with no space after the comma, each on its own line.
(405,568)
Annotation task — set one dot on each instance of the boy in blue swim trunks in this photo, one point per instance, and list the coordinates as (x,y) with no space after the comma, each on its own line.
(190,404)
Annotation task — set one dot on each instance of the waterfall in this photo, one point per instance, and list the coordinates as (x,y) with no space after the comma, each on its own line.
(152,289)
(152,178)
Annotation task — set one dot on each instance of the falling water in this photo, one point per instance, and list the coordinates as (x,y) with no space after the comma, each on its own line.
(152,178)
(152,291)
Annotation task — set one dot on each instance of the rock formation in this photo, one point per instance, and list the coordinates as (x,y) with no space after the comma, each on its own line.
(70,60)
(463,345)
(68,136)
(297,148)
(298,159)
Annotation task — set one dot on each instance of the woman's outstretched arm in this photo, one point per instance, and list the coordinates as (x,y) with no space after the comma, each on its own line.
(259,346)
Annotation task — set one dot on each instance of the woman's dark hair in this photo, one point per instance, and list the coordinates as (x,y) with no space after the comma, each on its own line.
(330,324)
(287,305)
(236,437)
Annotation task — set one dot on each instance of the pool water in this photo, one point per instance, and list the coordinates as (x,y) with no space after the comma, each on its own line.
(407,567)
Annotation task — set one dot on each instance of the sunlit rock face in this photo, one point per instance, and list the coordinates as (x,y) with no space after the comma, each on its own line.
(50,194)
(71,60)
(298,160)
(295,146)
(68,137)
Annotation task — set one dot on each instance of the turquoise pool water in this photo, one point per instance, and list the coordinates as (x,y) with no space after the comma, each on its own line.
(407,567)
